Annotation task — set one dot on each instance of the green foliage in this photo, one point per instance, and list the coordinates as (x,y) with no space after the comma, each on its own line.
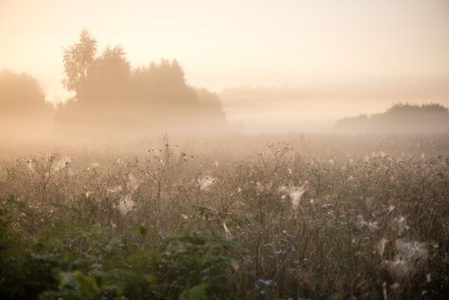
(371,219)
(196,293)
(29,266)
(99,264)
(188,259)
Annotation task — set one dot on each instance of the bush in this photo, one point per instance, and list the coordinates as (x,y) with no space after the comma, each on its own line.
(97,264)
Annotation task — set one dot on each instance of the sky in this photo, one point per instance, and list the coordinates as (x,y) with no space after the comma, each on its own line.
(224,44)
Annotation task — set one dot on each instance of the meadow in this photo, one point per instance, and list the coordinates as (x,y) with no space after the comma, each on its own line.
(226,217)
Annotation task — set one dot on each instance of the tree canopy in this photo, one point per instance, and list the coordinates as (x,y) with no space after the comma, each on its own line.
(22,102)
(109,93)
(77,59)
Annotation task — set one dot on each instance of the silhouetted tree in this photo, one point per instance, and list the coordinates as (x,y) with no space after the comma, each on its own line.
(212,112)
(109,93)
(101,84)
(407,108)
(108,78)
(77,60)
(22,103)
(161,89)
(405,118)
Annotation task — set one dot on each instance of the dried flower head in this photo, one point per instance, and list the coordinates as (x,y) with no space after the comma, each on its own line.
(399,225)
(206,182)
(30,164)
(59,165)
(410,258)
(133,183)
(126,205)
(296,193)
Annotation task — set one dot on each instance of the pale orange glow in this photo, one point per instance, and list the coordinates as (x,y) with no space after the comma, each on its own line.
(396,49)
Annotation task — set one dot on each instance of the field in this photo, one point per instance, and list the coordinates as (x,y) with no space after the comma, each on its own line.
(226,217)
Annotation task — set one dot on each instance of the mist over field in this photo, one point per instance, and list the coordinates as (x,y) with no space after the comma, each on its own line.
(193,66)
(315,109)
(224,149)
(112,99)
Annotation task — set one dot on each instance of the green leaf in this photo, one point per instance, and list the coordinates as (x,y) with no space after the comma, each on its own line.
(198,292)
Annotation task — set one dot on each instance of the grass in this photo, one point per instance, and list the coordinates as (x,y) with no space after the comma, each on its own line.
(235,217)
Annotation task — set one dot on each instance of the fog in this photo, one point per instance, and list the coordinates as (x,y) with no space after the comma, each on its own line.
(315,109)
(173,148)
(145,67)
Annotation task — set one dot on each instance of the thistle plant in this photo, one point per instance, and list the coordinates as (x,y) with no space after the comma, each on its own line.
(163,161)
(274,157)
(42,170)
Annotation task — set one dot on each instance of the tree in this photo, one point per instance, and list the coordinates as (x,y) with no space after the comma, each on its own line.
(22,102)
(400,118)
(110,94)
(111,67)
(21,96)
(108,79)
(161,91)
(212,114)
(101,84)
(77,60)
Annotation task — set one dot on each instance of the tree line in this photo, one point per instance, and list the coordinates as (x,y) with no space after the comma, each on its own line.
(22,105)
(400,118)
(109,93)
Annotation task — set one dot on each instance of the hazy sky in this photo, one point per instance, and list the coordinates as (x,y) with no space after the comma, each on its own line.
(232,43)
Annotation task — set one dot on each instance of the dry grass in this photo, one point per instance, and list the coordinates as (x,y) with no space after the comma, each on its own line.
(332,217)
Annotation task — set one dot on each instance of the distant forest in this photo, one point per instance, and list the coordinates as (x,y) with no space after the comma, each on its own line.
(400,118)
(108,93)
